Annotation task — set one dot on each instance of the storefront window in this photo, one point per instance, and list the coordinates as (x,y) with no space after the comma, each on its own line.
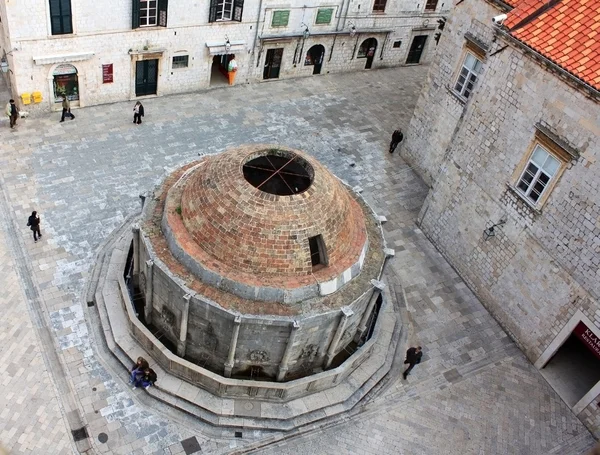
(65,83)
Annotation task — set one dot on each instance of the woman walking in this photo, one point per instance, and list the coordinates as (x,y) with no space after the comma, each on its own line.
(138,113)
(34,224)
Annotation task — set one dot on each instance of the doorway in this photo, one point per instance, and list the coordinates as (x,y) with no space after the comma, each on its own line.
(574,368)
(146,76)
(273,63)
(367,50)
(416,49)
(314,57)
(218,73)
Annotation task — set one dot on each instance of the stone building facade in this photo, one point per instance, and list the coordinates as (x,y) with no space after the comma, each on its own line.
(507,134)
(105,52)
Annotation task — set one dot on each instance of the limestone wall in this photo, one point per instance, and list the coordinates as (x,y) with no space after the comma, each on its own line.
(543,264)
(97,41)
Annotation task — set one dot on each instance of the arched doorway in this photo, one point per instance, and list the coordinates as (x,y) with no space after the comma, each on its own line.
(314,57)
(367,50)
(65,83)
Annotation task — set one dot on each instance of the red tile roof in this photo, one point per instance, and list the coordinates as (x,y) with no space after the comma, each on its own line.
(564,31)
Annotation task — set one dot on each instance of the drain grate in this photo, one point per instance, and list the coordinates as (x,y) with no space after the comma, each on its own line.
(102,437)
(91,303)
(80,434)
(238,434)
(190,445)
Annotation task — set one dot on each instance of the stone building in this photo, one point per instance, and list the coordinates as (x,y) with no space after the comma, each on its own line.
(105,52)
(507,134)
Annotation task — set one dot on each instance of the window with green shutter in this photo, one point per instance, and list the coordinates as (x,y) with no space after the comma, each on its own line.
(280,18)
(324,16)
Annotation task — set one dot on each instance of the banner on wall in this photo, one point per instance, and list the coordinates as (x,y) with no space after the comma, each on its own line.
(588,338)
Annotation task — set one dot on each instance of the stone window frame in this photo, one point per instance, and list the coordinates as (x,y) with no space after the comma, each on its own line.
(477,49)
(182,63)
(470,72)
(379,6)
(561,152)
(431,5)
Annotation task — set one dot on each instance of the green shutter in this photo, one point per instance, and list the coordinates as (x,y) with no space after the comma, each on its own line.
(280,18)
(324,16)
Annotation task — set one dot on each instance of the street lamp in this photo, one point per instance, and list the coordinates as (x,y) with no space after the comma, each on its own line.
(306,32)
(4,66)
(227,44)
(490,232)
(352,28)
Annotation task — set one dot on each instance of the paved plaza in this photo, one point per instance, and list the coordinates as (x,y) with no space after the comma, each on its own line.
(474,392)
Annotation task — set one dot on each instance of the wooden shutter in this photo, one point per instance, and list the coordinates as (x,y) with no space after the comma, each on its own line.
(280,18)
(135,14)
(65,12)
(212,12)
(238,8)
(431,5)
(379,5)
(324,16)
(162,12)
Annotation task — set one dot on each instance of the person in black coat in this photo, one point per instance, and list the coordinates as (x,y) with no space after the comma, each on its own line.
(138,113)
(397,137)
(34,224)
(413,356)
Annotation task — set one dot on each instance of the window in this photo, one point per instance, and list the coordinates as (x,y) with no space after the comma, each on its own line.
(541,168)
(318,257)
(180,61)
(431,5)
(225,10)
(324,16)
(379,5)
(397,44)
(60,17)
(467,76)
(149,13)
(280,18)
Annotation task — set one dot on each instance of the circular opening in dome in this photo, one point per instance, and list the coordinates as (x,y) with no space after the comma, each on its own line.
(279,172)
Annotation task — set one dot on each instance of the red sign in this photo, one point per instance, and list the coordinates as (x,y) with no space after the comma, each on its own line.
(107,73)
(588,337)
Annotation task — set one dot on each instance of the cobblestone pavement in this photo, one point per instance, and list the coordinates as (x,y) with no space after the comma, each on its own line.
(474,392)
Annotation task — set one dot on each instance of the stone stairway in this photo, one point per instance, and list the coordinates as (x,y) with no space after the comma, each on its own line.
(247,413)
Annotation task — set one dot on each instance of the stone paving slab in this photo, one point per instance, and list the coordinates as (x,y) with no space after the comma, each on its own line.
(473,392)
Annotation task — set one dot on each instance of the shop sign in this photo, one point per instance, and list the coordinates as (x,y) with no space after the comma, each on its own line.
(588,338)
(65,69)
(107,73)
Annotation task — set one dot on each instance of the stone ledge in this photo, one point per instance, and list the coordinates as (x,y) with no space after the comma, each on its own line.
(220,411)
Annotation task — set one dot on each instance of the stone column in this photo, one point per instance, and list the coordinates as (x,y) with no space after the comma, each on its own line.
(184,326)
(378,286)
(136,254)
(234,338)
(149,297)
(346,313)
(283,366)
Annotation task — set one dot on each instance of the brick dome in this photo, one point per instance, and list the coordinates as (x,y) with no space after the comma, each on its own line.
(265,217)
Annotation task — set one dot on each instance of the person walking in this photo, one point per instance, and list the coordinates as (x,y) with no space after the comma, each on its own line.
(138,113)
(12,112)
(34,224)
(397,137)
(232,69)
(66,109)
(413,356)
